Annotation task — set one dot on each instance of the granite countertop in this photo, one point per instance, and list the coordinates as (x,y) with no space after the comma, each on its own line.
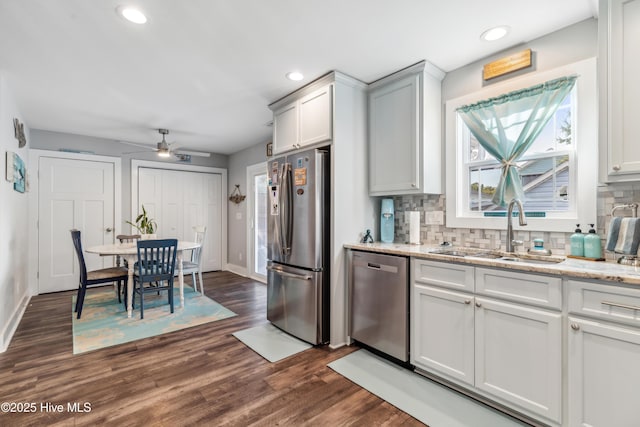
(576,268)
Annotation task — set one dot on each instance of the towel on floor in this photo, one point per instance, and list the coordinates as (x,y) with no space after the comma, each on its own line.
(628,236)
(612,236)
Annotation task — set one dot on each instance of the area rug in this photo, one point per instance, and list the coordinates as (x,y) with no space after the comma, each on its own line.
(270,342)
(104,321)
(423,399)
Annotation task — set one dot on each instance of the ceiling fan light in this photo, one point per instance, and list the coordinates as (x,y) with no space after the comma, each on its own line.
(164,153)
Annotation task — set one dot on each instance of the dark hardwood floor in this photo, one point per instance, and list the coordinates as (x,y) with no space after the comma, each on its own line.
(197,376)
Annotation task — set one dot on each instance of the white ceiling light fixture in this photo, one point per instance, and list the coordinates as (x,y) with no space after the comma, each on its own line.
(495,33)
(296,76)
(131,14)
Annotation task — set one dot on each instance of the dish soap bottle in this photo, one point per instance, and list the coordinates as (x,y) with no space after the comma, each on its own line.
(592,244)
(577,242)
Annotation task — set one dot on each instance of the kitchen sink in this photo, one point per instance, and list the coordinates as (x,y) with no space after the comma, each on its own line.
(531,260)
(518,258)
(497,255)
(453,252)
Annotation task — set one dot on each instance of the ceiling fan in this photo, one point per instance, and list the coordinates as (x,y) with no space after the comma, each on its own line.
(165,149)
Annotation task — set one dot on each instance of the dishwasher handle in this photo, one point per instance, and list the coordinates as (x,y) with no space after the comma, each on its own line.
(387,268)
(290,275)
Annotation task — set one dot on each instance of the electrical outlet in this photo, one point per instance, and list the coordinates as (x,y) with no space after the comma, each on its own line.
(434,217)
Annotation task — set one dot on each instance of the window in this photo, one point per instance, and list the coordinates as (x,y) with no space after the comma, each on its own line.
(544,168)
(557,172)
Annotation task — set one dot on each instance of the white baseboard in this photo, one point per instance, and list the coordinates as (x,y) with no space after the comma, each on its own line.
(241,271)
(259,279)
(334,346)
(12,324)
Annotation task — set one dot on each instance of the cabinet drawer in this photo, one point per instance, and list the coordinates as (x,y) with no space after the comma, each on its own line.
(534,289)
(603,301)
(453,276)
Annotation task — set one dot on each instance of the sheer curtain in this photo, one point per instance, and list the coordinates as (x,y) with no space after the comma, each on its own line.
(507,125)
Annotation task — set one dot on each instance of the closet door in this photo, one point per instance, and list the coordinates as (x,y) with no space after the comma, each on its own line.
(179,200)
(171,218)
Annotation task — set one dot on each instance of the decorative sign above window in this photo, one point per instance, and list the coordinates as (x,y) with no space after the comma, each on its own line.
(506,65)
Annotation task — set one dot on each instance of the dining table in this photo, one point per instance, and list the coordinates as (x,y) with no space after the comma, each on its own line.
(129,252)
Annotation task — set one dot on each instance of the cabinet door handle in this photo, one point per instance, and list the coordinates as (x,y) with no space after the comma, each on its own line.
(615,304)
(616,168)
(575,326)
(478,304)
(467,301)
(109,229)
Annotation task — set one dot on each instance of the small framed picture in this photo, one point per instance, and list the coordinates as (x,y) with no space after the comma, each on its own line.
(270,149)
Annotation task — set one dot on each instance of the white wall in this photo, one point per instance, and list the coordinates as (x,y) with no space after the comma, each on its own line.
(14,293)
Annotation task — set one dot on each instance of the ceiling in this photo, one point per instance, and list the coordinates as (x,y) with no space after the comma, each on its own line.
(208,69)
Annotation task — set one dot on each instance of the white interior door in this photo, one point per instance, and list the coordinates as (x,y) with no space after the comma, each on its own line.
(178,200)
(257,221)
(79,194)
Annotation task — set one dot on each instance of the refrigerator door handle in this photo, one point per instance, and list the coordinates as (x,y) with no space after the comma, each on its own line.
(291,275)
(286,216)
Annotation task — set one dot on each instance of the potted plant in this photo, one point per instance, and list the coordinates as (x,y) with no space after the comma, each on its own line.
(145,225)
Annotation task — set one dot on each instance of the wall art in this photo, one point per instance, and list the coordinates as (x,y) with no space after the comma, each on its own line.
(18,131)
(16,172)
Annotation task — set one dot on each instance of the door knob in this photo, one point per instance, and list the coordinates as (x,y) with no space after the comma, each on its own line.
(109,230)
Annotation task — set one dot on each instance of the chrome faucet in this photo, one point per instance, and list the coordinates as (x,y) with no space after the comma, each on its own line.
(521,218)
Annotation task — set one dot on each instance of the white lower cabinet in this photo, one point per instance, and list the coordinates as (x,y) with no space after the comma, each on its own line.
(504,350)
(519,355)
(603,357)
(444,340)
(604,374)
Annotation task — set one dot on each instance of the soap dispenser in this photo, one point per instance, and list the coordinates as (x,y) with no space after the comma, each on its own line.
(592,244)
(577,242)
(387,219)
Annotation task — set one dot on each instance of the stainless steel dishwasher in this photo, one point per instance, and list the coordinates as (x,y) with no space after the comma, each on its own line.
(379,302)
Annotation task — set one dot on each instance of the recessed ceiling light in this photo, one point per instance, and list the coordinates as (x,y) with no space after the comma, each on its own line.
(131,14)
(495,33)
(295,76)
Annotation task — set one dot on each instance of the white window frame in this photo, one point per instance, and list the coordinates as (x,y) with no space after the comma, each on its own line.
(583,177)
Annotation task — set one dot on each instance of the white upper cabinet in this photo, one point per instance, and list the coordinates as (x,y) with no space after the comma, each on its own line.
(405,155)
(619,32)
(285,128)
(304,121)
(315,117)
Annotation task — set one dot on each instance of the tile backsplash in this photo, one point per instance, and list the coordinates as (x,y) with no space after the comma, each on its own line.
(433,206)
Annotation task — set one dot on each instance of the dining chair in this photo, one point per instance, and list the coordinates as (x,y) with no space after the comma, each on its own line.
(126,238)
(94,277)
(195,264)
(155,268)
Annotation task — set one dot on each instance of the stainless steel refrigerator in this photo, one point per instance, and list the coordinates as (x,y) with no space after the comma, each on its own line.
(298,245)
